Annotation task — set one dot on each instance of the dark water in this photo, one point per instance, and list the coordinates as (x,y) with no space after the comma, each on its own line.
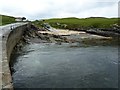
(66,66)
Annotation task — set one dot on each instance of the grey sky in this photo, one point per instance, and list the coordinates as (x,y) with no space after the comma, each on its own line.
(37,9)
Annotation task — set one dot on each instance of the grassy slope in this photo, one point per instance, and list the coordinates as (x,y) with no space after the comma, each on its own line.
(6,19)
(83,23)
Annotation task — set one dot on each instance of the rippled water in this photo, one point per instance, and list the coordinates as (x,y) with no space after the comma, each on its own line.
(66,66)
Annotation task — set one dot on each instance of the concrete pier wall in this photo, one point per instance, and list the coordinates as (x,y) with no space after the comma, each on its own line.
(10,36)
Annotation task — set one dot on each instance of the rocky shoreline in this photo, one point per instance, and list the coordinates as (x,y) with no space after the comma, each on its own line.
(114,31)
(33,36)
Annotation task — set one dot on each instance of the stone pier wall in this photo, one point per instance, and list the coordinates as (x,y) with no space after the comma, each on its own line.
(11,35)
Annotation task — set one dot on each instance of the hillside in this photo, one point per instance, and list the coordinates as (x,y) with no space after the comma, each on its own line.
(6,19)
(83,23)
(95,25)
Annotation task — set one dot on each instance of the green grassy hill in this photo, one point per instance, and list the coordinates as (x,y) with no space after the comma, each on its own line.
(6,19)
(72,22)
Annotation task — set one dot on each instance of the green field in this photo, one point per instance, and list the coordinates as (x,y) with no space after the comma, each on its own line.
(6,19)
(92,22)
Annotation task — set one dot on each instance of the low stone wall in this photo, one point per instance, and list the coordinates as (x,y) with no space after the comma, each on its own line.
(9,41)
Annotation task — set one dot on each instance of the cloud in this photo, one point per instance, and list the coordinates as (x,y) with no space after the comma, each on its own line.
(36,9)
(104,11)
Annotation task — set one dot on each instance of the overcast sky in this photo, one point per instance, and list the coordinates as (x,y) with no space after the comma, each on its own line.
(39,9)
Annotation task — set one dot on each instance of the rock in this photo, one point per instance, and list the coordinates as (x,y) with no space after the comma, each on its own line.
(56,36)
(59,43)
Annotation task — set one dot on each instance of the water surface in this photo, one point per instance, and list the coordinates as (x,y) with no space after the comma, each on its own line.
(66,66)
